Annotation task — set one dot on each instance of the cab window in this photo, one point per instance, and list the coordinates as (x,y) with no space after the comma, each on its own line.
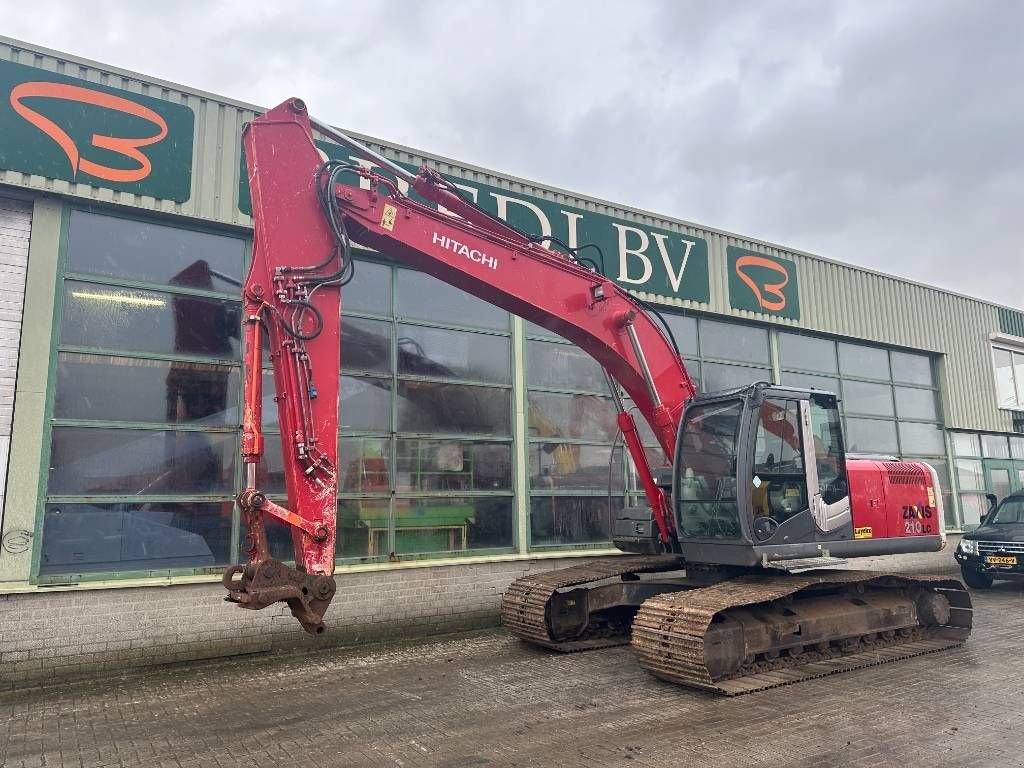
(778,481)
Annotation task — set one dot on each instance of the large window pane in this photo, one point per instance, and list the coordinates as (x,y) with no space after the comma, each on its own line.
(149,321)
(131,536)
(718,377)
(363,527)
(562,366)
(1017,447)
(684,329)
(572,519)
(966,444)
(916,403)
(135,461)
(911,368)
(733,341)
(453,354)
(969,475)
(942,470)
(365,404)
(871,436)
(427,406)
(921,438)
(806,381)
(1018,375)
(365,345)
(369,289)
(578,417)
(995,447)
(364,465)
(130,249)
(807,353)
(453,465)
(127,389)
(565,466)
(858,360)
(452,524)
(972,506)
(1005,390)
(423,297)
(862,397)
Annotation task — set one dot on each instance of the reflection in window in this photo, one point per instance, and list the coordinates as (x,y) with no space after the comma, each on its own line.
(966,444)
(864,397)
(453,354)
(916,403)
(369,291)
(805,381)
(423,297)
(364,465)
(969,475)
(718,377)
(732,341)
(994,447)
(453,465)
(147,321)
(576,417)
(858,360)
(871,436)
(912,369)
(134,536)
(428,406)
(365,345)
(707,468)
(130,249)
(132,461)
(807,353)
(684,329)
(921,438)
(566,466)
(563,366)
(563,520)
(130,389)
(365,404)
(1006,389)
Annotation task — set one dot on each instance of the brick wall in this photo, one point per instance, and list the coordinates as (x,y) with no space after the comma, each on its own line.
(49,636)
(45,637)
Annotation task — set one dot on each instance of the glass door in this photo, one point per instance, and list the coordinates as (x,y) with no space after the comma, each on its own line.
(1003,477)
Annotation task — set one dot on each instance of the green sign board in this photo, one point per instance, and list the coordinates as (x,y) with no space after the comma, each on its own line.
(762,283)
(64,128)
(636,256)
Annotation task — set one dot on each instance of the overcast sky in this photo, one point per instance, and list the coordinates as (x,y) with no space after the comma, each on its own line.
(883,134)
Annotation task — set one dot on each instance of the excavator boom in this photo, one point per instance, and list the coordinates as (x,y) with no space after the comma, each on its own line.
(305,221)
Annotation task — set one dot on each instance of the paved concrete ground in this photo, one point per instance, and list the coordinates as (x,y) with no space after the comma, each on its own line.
(487,700)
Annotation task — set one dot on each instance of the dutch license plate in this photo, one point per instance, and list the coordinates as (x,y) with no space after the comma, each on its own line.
(1000,560)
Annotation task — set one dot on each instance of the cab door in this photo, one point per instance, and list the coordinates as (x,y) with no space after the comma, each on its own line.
(828,487)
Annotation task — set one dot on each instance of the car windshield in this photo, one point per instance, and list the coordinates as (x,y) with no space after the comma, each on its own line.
(1010,511)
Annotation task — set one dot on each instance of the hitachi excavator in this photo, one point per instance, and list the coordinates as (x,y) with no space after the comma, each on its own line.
(732,582)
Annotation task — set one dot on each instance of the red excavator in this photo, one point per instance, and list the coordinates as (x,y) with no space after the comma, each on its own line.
(732,584)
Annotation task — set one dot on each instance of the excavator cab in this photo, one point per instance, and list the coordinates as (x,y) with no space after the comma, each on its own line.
(760,474)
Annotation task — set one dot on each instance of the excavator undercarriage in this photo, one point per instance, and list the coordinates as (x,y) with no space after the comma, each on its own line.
(741,633)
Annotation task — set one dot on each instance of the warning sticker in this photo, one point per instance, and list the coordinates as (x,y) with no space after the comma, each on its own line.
(862,533)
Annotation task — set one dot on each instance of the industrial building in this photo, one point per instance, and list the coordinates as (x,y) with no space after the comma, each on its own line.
(474,446)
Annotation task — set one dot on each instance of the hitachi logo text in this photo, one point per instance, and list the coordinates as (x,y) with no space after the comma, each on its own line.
(464,250)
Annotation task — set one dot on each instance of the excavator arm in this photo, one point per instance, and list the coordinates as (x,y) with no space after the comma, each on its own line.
(305,222)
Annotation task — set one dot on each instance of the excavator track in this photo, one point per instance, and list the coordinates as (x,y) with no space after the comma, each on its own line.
(701,638)
(526,606)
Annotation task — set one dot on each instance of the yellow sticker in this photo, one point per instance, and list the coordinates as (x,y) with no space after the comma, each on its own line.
(792,492)
(387,219)
(931,496)
(862,533)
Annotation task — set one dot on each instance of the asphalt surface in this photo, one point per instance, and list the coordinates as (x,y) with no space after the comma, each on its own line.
(487,700)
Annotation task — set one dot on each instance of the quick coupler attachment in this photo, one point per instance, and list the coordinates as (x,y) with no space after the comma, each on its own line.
(259,584)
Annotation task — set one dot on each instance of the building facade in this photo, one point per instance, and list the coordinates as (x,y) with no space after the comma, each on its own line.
(474,447)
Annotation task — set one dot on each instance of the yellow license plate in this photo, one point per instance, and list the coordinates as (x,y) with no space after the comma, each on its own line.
(998,560)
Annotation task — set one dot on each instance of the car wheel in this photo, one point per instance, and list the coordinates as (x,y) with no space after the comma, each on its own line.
(976,579)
